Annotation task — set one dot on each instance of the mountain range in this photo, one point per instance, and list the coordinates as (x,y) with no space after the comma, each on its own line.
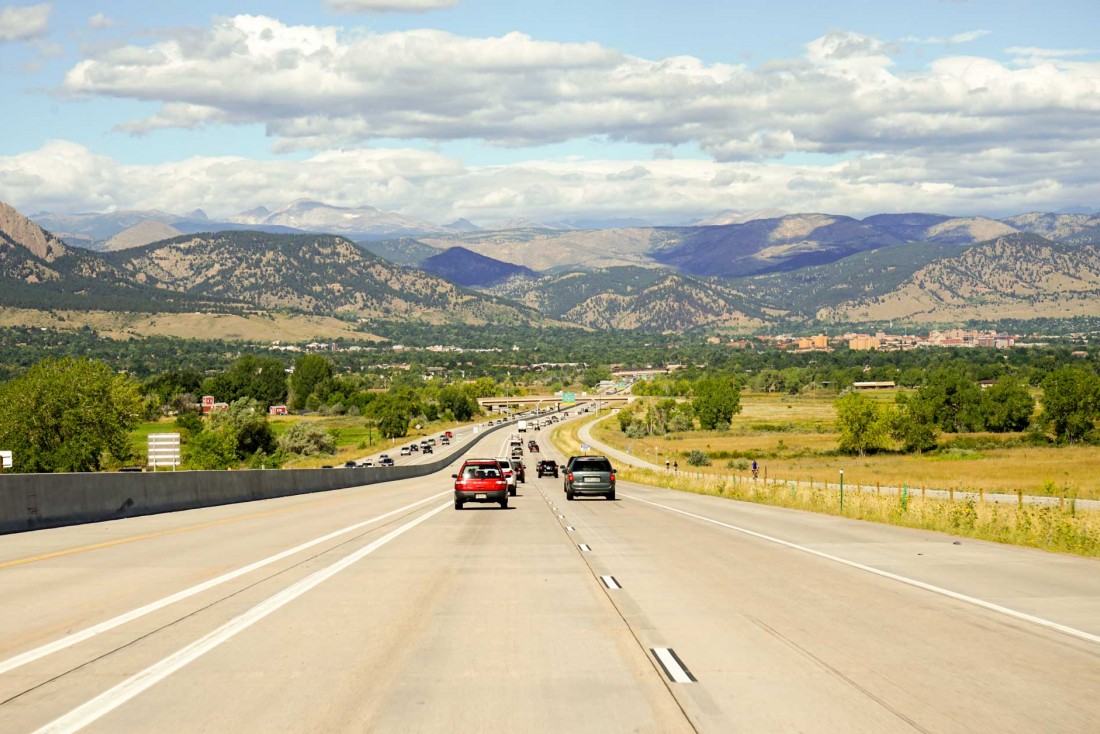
(744,275)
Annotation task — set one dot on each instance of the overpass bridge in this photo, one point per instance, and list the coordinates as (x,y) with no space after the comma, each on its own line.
(526,402)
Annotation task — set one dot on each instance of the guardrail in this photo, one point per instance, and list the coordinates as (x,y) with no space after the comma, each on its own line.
(35,501)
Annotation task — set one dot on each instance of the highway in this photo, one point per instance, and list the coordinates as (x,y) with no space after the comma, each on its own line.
(383,609)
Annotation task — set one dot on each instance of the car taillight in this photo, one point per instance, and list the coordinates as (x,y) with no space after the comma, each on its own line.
(569,476)
(500,482)
(613,477)
(459,484)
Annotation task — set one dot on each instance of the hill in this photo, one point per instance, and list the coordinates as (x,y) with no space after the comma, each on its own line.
(323,274)
(140,234)
(1019,275)
(647,299)
(468,268)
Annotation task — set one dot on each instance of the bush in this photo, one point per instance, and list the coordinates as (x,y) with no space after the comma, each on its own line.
(695,457)
(307,439)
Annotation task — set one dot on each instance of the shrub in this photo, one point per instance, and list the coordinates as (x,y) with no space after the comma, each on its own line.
(307,439)
(695,457)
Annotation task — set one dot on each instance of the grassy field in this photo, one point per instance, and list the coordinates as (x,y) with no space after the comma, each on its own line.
(1065,529)
(253,327)
(794,438)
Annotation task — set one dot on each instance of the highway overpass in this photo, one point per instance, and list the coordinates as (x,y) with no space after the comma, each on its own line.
(529,402)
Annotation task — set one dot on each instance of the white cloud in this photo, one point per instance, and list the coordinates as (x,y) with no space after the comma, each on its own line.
(99,21)
(67,177)
(24,23)
(964,37)
(319,87)
(388,6)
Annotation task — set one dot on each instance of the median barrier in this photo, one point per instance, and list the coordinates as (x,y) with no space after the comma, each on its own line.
(36,501)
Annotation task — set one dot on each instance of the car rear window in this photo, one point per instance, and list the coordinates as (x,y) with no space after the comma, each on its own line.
(592,465)
(480,471)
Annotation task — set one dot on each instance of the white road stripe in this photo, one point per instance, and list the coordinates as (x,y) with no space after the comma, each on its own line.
(584,547)
(610,582)
(1023,616)
(98,629)
(570,528)
(109,700)
(672,666)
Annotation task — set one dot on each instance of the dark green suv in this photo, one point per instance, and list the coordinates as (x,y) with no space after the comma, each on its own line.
(585,475)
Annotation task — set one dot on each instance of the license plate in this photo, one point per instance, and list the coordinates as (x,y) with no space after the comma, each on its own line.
(479,496)
(591,479)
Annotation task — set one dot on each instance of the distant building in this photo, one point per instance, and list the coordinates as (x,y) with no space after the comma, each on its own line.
(884,385)
(864,342)
(277,410)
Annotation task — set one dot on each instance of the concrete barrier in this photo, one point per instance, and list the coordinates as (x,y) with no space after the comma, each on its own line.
(34,501)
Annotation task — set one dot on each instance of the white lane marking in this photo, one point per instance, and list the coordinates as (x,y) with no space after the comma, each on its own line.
(610,582)
(584,547)
(676,671)
(98,629)
(561,517)
(111,699)
(1023,616)
(570,528)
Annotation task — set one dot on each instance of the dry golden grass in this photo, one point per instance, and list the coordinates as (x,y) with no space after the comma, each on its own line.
(1058,528)
(793,438)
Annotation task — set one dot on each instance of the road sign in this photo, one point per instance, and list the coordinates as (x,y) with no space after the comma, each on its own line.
(585,447)
(568,398)
(5,459)
(164,449)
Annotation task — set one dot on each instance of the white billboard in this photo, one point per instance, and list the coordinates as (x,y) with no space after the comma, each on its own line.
(164,450)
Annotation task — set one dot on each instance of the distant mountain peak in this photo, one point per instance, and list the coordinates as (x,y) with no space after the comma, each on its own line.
(473,270)
(21,231)
(198,214)
(462,225)
(142,233)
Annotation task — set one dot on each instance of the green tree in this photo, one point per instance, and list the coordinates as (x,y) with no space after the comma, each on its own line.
(913,425)
(67,414)
(860,422)
(392,413)
(1071,403)
(1007,405)
(309,372)
(716,400)
(953,399)
(456,400)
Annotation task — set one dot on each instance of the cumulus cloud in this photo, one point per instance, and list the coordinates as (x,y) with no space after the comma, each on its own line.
(24,23)
(68,177)
(388,6)
(319,87)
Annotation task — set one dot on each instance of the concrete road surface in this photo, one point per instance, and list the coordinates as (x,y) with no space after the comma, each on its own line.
(383,609)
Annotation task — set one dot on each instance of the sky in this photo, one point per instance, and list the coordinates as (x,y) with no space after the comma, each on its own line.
(493,110)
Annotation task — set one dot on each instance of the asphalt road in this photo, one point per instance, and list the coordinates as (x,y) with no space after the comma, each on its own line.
(383,609)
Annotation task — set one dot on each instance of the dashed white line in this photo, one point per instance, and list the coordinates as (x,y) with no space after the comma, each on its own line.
(570,528)
(584,547)
(610,582)
(676,671)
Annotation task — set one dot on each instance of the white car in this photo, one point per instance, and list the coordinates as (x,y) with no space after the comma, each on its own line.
(509,473)
(406,451)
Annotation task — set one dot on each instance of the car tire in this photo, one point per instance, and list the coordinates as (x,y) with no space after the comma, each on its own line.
(569,495)
(512,492)
(611,495)
(504,504)
(458,505)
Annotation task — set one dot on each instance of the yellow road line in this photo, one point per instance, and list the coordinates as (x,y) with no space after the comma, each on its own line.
(162,533)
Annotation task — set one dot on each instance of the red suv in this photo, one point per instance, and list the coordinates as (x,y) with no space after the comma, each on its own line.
(481,480)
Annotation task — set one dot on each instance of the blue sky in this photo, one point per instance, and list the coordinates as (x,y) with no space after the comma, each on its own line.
(491,109)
